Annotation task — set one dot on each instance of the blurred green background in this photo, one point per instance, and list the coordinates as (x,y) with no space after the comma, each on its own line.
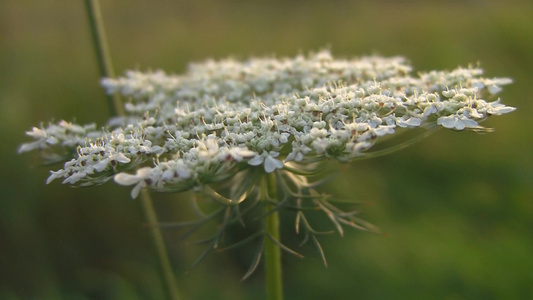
(457,207)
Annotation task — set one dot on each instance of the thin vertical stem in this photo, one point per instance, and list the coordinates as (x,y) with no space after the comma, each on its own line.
(272,251)
(105,64)
(159,245)
(116,108)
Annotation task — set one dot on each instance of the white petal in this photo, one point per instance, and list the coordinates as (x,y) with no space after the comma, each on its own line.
(361,127)
(469,123)
(101,165)
(74,177)
(126,179)
(361,146)
(271,164)
(299,156)
(320,133)
(256,161)
(496,108)
(291,156)
(413,122)
(506,109)
(29,147)
(137,189)
(320,145)
(273,153)
(212,146)
(383,130)
(494,89)
(52,140)
(459,125)
(120,157)
(238,153)
(284,138)
(167,175)
(447,122)
(244,152)
(36,133)
(503,81)
(184,173)
(429,110)
(144,172)
(55,175)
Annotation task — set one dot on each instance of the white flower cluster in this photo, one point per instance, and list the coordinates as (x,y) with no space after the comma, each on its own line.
(183,131)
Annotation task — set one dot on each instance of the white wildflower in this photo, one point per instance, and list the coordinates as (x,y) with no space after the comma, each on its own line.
(184,131)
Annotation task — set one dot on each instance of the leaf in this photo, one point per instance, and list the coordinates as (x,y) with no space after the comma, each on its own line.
(202,257)
(320,250)
(310,229)
(297,222)
(241,242)
(279,206)
(299,170)
(283,247)
(226,201)
(480,129)
(332,217)
(255,263)
(322,181)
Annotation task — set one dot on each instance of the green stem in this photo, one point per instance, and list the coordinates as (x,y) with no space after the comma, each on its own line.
(105,65)
(159,245)
(272,251)
(116,108)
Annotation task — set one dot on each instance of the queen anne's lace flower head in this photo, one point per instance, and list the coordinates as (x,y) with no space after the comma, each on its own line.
(183,131)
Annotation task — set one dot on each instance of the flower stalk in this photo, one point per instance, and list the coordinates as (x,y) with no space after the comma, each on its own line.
(273,271)
(116,108)
(159,245)
(105,65)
